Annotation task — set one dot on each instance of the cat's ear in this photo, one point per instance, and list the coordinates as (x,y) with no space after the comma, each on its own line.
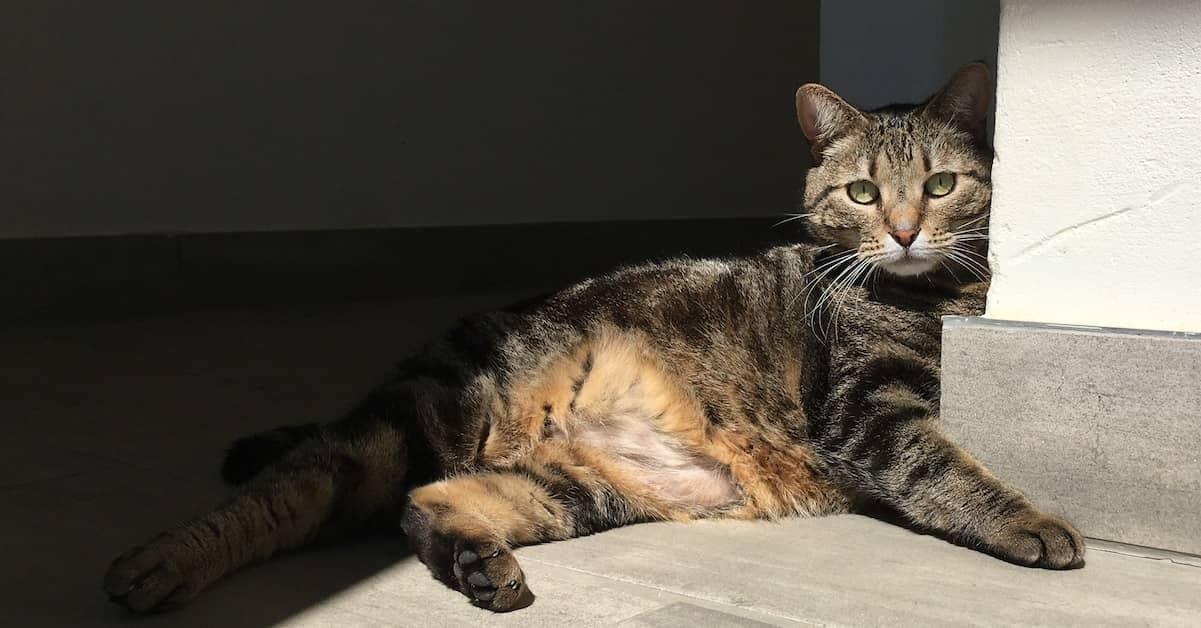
(965,99)
(824,117)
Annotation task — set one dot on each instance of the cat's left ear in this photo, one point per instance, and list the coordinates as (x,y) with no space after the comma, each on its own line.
(965,99)
(824,117)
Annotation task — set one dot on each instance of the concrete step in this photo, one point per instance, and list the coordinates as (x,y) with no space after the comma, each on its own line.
(1100,425)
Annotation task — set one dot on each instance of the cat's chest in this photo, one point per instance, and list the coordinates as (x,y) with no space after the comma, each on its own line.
(869,319)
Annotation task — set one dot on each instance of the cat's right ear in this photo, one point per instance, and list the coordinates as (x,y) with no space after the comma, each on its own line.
(824,117)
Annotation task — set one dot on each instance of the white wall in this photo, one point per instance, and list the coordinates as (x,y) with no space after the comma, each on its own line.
(1097,207)
(225,115)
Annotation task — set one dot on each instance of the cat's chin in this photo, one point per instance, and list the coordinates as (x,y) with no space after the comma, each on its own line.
(909,266)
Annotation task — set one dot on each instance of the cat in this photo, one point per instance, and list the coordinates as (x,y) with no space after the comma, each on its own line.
(802,381)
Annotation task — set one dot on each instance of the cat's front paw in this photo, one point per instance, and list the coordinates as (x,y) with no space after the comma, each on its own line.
(152,578)
(1035,539)
(484,570)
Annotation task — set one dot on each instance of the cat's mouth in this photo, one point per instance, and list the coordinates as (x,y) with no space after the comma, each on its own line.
(910,267)
(908,263)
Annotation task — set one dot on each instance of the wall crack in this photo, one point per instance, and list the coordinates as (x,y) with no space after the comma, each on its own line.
(1158,197)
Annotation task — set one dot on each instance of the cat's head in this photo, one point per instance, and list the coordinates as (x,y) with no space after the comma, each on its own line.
(907,187)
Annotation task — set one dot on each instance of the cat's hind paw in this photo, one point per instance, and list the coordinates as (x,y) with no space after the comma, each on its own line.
(151,578)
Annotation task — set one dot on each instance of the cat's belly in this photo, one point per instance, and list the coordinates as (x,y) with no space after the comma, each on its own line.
(614,395)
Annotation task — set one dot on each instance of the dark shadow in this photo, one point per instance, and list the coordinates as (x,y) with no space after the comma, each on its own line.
(273,591)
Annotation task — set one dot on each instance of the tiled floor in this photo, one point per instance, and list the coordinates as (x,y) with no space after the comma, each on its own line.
(112,431)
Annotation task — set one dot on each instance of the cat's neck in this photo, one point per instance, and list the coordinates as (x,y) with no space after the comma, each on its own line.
(942,292)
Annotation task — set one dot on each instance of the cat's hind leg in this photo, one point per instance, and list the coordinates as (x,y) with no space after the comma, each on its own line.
(249,455)
(350,474)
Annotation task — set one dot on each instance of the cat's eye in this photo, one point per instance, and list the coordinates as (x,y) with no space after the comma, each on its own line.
(863,192)
(940,184)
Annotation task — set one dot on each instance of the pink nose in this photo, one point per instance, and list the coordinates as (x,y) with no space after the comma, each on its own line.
(904,237)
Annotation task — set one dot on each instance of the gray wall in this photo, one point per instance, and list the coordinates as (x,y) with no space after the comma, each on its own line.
(139,116)
(878,52)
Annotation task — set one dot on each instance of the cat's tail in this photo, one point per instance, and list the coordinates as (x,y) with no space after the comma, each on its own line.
(249,455)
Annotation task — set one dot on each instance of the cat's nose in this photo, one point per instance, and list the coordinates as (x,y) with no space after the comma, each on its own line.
(904,237)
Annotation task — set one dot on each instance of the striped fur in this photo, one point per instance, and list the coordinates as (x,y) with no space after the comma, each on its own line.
(759,387)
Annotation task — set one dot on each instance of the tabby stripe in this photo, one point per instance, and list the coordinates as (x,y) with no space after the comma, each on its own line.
(929,467)
(824,193)
(594,506)
(975,174)
(578,383)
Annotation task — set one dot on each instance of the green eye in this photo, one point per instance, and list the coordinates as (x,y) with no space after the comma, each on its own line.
(940,184)
(863,192)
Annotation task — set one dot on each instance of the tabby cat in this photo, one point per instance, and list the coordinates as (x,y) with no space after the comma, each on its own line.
(802,381)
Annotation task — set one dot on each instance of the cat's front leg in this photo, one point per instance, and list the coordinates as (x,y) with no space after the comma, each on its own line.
(937,485)
(881,433)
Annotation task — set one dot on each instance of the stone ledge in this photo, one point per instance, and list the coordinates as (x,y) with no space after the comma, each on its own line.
(1100,425)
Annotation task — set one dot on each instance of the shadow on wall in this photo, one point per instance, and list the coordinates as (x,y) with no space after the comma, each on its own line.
(878,52)
(200,117)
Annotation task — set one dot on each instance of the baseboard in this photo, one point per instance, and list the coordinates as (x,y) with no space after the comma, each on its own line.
(1100,425)
(100,277)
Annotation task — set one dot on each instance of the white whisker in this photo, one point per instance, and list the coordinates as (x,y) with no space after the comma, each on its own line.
(830,292)
(972,271)
(791,217)
(977,219)
(969,251)
(824,268)
(972,266)
(950,270)
(850,284)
